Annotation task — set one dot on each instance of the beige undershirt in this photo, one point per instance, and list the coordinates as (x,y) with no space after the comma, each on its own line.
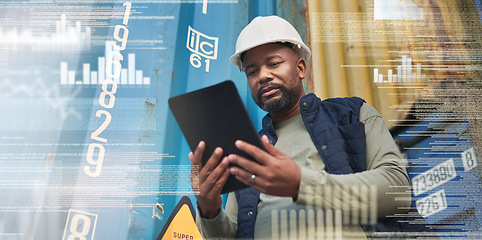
(385,169)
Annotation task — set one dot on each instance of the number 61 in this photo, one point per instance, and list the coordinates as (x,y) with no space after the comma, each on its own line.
(196,61)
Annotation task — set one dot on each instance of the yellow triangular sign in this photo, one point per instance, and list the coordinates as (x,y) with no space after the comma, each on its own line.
(181,224)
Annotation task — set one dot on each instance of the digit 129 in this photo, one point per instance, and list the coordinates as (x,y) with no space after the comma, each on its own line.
(112,73)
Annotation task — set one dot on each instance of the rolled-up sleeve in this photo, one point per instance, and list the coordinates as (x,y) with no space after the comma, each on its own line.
(224,225)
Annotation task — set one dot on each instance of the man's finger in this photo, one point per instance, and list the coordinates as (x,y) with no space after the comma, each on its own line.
(246,177)
(212,180)
(269,147)
(198,153)
(211,164)
(217,188)
(246,164)
(195,159)
(253,151)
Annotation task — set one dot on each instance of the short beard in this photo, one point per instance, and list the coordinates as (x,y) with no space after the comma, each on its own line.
(287,101)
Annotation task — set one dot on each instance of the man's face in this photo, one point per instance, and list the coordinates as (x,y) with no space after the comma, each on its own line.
(274,73)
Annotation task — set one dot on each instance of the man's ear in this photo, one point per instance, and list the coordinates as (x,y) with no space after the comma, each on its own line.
(301,67)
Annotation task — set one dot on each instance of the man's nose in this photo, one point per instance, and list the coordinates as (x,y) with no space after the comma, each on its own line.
(265,74)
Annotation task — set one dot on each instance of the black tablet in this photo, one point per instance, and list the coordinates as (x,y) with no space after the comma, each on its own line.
(217,116)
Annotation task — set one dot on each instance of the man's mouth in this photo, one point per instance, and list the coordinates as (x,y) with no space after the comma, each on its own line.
(268,91)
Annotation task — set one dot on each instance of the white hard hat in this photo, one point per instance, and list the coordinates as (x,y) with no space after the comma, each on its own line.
(264,30)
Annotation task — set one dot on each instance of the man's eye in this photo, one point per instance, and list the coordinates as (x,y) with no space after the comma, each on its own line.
(251,72)
(275,64)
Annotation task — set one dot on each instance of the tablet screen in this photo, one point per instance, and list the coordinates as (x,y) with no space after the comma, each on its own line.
(217,116)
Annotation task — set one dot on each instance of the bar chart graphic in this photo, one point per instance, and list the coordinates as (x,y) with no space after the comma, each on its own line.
(128,76)
(67,36)
(405,73)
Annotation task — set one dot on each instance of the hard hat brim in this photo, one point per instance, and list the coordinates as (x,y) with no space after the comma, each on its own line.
(299,47)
